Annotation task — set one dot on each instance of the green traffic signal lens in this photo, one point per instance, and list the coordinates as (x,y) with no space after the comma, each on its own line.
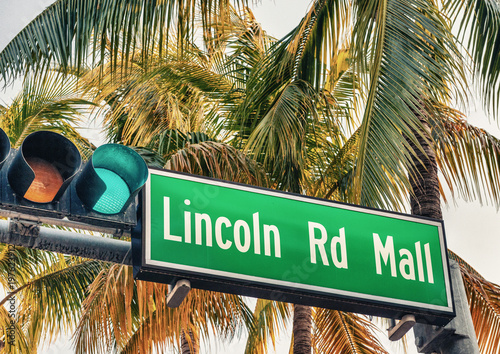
(111,179)
(116,194)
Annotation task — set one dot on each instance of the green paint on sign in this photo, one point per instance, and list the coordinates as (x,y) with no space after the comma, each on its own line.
(262,236)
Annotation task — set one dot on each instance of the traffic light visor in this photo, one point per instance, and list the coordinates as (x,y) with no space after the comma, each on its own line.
(4,147)
(111,179)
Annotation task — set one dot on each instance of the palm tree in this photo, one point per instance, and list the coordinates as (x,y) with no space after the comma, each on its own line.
(154,105)
(161,104)
(408,66)
(406,54)
(388,51)
(294,130)
(52,105)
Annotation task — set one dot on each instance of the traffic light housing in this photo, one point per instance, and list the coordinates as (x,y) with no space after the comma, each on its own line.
(106,187)
(45,178)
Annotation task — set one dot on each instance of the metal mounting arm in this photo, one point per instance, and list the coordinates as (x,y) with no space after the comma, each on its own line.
(178,293)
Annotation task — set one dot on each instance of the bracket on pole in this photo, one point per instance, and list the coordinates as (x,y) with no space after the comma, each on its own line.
(178,293)
(458,336)
(29,230)
(397,331)
(118,234)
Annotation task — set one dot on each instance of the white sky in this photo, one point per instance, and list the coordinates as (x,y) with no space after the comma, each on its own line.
(472,230)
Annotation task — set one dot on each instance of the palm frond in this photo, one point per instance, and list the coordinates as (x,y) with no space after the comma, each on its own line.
(201,313)
(342,332)
(169,92)
(480,27)
(484,304)
(334,179)
(150,156)
(109,302)
(26,261)
(468,157)
(50,301)
(218,160)
(406,49)
(279,137)
(319,36)
(133,317)
(269,318)
(48,289)
(48,101)
(73,32)
(11,333)
(291,136)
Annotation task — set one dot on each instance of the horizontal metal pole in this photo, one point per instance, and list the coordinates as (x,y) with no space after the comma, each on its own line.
(63,222)
(66,242)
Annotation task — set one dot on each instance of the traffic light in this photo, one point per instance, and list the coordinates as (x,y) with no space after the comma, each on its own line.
(45,178)
(107,185)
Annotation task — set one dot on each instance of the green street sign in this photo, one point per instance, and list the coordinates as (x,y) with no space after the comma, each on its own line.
(259,242)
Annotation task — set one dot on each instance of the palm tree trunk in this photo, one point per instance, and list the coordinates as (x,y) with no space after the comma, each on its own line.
(302,323)
(302,318)
(425,199)
(189,343)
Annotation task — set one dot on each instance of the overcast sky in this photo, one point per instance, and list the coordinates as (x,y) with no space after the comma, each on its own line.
(472,230)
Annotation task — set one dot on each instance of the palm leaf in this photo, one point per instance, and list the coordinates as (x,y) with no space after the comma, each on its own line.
(239,50)
(51,298)
(71,32)
(28,262)
(319,36)
(480,28)
(468,157)
(48,101)
(109,302)
(333,181)
(167,92)
(269,318)
(285,118)
(407,51)
(218,160)
(280,135)
(12,334)
(133,317)
(484,304)
(150,156)
(342,332)
(305,53)
(205,311)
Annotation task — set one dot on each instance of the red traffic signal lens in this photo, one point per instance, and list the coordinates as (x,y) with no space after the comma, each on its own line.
(46,183)
(43,167)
